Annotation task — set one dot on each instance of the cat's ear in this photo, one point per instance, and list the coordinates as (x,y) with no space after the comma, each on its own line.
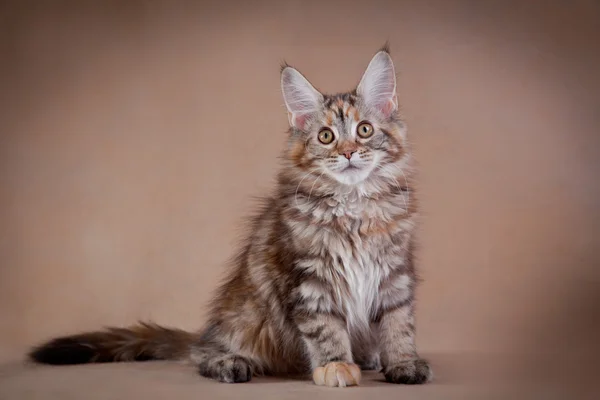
(301,98)
(378,85)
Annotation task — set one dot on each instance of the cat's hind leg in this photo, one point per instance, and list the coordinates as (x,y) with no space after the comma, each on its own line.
(222,366)
(365,348)
(369,362)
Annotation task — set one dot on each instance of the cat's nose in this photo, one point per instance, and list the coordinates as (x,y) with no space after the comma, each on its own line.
(348,154)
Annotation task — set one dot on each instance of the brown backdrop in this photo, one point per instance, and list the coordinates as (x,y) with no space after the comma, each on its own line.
(135,135)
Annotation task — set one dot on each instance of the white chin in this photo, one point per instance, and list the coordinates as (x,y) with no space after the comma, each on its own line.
(352,176)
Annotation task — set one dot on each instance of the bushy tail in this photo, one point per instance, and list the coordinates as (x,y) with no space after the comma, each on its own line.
(142,342)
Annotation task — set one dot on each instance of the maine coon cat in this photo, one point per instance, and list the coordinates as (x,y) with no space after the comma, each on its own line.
(325,281)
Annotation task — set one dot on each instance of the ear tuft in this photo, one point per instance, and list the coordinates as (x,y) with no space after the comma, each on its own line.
(378,84)
(283,66)
(386,47)
(301,98)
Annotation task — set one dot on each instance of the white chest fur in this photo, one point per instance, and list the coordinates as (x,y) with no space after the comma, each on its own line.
(357,290)
(352,265)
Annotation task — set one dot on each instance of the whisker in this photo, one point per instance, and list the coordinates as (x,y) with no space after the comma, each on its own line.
(406,183)
(313,186)
(390,175)
(405,180)
(298,187)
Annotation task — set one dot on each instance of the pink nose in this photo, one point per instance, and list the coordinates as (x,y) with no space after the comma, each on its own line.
(348,154)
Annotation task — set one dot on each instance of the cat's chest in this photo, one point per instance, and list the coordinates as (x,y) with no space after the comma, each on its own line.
(359,268)
(354,250)
(358,283)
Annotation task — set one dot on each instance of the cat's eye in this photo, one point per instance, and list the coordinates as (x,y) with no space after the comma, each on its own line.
(364,130)
(325,136)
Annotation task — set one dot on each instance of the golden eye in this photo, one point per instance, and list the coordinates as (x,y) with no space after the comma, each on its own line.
(364,130)
(326,136)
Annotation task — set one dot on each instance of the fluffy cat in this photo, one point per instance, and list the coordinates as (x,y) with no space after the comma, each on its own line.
(324,283)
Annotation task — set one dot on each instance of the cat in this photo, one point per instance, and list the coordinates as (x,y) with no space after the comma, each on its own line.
(324,282)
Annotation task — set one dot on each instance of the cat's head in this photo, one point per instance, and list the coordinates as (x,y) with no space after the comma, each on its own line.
(350,137)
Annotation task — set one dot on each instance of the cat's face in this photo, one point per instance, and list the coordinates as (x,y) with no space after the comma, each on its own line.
(351,137)
(347,141)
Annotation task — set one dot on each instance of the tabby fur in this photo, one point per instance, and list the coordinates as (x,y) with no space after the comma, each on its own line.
(326,275)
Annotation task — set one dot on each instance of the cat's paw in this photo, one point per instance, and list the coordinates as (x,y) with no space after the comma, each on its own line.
(410,372)
(229,368)
(337,374)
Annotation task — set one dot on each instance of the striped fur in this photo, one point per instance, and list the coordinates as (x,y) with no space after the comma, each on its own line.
(326,276)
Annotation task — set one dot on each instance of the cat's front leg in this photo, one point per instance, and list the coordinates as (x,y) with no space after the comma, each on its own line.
(328,346)
(399,358)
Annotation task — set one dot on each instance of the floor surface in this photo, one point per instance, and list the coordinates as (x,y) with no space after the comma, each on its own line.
(457,377)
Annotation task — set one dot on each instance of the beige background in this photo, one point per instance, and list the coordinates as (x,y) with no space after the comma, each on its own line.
(134,136)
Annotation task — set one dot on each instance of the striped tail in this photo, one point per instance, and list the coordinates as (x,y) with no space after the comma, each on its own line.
(141,342)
